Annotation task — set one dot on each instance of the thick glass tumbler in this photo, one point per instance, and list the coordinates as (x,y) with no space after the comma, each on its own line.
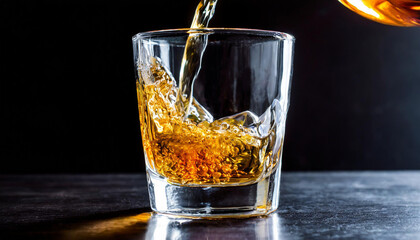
(212,118)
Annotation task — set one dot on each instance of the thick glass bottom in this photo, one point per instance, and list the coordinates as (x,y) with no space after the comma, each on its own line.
(256,199)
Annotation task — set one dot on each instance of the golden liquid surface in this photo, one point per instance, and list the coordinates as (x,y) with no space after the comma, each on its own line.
(189,151)
(392,12)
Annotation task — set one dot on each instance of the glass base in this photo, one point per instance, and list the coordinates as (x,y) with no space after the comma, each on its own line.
(256,199)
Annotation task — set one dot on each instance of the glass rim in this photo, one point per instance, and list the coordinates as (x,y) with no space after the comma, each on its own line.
(248,31)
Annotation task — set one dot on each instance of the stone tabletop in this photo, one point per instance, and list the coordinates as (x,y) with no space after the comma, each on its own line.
(314,205)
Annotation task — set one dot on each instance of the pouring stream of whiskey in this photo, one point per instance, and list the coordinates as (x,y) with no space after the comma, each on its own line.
(193,53)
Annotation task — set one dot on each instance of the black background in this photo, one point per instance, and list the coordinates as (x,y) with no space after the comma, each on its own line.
(68,100)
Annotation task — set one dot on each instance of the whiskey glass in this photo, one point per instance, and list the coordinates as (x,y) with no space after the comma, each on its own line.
(218,154)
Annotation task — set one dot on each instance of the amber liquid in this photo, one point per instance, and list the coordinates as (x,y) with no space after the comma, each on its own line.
(392,12)
(180,138)
(190,151)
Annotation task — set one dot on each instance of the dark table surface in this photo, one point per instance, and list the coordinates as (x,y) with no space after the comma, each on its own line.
(321,205)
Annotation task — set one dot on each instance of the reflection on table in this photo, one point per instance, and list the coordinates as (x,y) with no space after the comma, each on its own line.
(156,226)
(167,227)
